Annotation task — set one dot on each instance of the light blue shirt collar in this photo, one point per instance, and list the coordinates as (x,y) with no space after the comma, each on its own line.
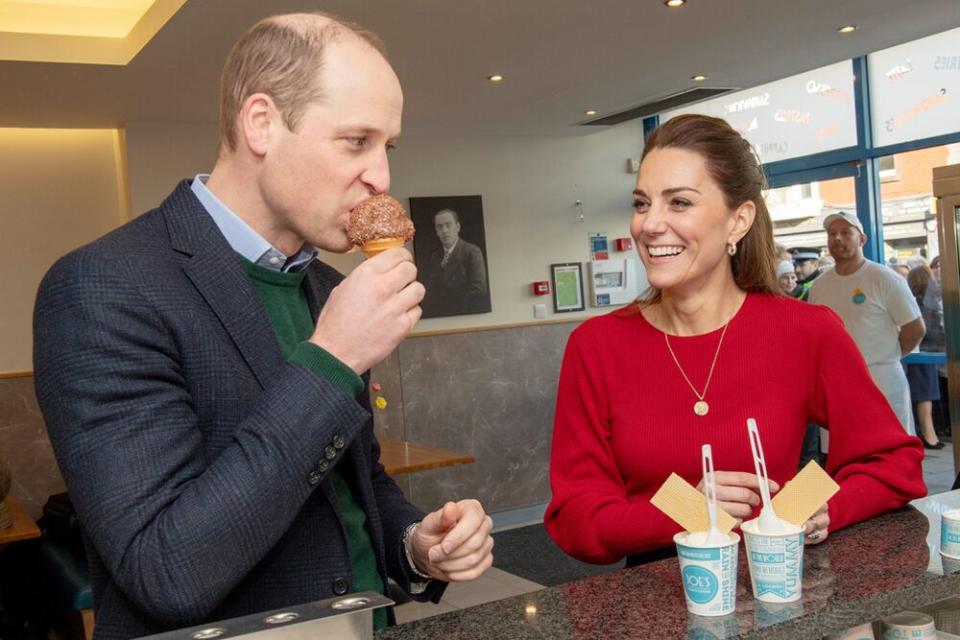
(242,238)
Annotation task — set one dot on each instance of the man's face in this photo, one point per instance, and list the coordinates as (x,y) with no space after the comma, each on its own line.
(337,157)
(806,267)
(844,241)
(447,227)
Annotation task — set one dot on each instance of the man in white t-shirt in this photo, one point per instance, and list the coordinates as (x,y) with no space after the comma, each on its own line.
(876,306)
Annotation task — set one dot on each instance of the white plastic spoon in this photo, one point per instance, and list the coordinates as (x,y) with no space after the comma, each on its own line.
(714,536)
(768,522)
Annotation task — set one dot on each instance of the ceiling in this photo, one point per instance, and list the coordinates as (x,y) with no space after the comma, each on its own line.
(559,57)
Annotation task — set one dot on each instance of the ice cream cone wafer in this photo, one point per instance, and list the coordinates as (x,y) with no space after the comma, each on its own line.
(374,247)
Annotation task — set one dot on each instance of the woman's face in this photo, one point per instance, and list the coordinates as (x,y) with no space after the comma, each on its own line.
(681,222)
(787,282)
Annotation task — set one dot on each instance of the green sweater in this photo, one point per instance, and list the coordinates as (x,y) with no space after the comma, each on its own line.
(285,302)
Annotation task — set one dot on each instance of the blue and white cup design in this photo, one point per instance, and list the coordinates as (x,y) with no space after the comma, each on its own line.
(950,533)
(708,574)
(776,563)
(908,625)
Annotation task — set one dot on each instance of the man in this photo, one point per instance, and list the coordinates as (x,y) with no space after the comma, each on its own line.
(456,278)
(807,262)
(876,306)
(202,375)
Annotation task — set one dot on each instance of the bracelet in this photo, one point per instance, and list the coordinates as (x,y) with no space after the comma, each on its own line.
(407,534)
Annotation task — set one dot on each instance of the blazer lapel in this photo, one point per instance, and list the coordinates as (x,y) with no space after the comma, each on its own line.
(217,273)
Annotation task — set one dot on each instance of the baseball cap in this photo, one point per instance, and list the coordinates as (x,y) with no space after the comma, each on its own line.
(847,217)
(784,268)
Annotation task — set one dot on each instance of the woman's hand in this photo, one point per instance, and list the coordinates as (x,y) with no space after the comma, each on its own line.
(738,493)
(816,528)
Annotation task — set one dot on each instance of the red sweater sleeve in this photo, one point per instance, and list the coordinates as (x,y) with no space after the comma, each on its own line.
(875,462)
(590,515)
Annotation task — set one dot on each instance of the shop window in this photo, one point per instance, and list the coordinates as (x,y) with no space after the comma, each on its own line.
(914,89)
(804,114)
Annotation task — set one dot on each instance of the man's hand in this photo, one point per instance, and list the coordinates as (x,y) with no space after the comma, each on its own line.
(371,311)
(453,543)
(738,493)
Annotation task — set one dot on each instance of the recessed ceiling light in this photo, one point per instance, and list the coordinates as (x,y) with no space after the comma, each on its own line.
(590,112)
(674,3)
(80,31)
(699,77)
(495,78)
(849,28)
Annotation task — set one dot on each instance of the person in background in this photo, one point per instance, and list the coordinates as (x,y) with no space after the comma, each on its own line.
(942,415)
(807,262)
(204,377)
(642,388)
(923,378)
(876,307)
(781,253)
(786,277)
(902,270)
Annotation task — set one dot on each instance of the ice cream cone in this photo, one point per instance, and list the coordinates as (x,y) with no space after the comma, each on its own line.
(373,247)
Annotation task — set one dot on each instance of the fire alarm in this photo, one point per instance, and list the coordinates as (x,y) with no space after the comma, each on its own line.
(541,288)
(623,244)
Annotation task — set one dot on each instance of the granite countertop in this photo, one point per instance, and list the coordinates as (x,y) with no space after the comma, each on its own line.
(876,568)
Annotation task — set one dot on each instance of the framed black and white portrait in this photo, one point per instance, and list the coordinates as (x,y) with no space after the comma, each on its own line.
(450,251)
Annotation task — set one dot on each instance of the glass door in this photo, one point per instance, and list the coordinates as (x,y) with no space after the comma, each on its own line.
(946,190)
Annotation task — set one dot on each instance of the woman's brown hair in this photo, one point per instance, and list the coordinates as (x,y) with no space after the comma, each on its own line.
(734,167)
(919,279)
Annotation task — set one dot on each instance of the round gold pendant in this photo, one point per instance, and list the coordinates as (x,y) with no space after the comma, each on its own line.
(701,408)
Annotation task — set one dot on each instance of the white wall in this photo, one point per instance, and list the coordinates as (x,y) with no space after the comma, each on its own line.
(529,186)
(161,154)
(59,189)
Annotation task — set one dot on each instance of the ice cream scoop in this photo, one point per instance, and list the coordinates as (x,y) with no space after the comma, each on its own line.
(379,223)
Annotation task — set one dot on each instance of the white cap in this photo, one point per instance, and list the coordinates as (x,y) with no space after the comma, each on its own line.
(785,267)
(849,218)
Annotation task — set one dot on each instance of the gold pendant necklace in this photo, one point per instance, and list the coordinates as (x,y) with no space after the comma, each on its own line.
(700,407)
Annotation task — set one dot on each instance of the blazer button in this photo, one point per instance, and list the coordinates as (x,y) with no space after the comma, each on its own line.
(323,466)
(340,586)
(329,452)
(338,441)
(314,478)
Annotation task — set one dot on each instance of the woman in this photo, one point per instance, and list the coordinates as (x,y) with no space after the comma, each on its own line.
(641,389)
(923,378)
(786,277)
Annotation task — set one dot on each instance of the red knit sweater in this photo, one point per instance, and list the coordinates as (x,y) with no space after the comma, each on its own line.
(625,420)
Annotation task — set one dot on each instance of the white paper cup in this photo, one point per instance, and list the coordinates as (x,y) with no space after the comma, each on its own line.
(950,533)
(908,625)
(708,574)
(776,563)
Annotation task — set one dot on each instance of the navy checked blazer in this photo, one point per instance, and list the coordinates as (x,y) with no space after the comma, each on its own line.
(196,456)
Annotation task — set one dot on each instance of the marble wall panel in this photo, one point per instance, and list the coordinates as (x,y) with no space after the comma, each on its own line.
(388,422)
(490,394)
(25,446)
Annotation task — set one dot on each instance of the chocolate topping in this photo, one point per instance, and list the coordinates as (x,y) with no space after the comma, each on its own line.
(379,217)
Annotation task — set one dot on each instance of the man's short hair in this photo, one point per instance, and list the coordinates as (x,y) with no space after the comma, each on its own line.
(456,217)
(281,56)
